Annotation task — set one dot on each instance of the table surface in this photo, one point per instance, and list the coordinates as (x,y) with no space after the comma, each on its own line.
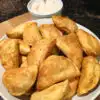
(11,23)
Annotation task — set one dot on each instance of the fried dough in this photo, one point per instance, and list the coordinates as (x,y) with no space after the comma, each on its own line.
(31,34)
(58,91)
(89,76)
(40,51)
(49,31)
(55,69)
(18,81)
(65,24)
(89,43)
(71,47)
(9,53)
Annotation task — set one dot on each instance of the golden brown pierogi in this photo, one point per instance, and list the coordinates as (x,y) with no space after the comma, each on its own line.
(57,91)
(71,47)
(49,31)
(55,69)
(31,34)
(65,24)
(89,76)
(18,81)
(89,43)
(9,53)
(40,51)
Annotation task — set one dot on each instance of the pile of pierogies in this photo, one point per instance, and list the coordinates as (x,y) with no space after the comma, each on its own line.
(50,62)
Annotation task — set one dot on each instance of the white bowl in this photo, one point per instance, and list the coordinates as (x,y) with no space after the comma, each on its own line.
(29,5)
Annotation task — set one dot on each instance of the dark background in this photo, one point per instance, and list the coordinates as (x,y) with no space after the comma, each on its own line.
(85,12)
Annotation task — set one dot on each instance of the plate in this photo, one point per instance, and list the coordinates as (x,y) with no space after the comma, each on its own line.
(6,96)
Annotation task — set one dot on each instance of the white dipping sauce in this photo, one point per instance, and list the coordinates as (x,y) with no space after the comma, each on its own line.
(48,7)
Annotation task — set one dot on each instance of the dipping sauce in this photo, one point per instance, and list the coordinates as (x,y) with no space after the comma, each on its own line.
(48,7)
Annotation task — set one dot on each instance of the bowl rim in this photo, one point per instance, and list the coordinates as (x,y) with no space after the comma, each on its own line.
(41,15)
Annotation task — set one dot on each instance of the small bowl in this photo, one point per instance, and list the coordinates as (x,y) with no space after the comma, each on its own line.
(29,5)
